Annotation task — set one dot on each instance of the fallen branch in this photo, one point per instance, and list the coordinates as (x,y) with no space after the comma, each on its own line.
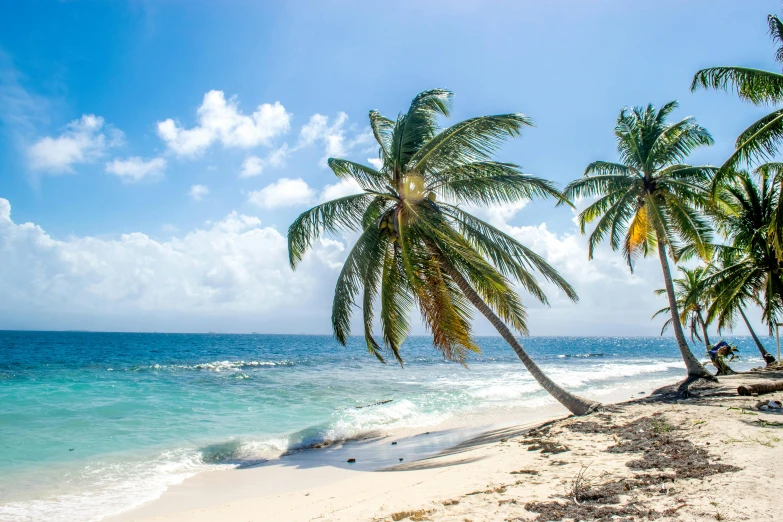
(764,387)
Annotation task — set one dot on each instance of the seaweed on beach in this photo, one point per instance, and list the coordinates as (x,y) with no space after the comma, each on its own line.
(589,427)
(662,447)
(551,511)
(547,447)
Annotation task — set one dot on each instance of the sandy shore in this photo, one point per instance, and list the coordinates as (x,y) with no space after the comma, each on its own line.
(707,457)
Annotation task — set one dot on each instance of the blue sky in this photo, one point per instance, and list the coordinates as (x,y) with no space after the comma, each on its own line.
(85,157)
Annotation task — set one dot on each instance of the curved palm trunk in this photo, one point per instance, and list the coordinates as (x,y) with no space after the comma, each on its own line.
(575,404)
(694,367)
(768,357)
(704,331)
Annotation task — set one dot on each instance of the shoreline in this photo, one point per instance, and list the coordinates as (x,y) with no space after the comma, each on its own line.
(314,469)
(680,460)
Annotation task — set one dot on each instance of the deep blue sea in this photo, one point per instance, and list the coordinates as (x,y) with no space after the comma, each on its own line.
(92,424)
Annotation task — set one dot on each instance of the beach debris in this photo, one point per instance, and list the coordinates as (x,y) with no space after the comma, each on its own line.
(525,472)
(762,387)
(351,461)
(452,502)
(581,485)
(498,489)
(394,443)
(416,516)
(768,405)
(552,511)
(374,404)
(547,447)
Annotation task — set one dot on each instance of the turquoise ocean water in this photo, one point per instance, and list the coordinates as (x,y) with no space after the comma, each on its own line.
(92,424)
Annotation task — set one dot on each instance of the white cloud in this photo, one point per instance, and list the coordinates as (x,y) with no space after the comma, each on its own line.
(253,165)
(231,274)
(198,192)
(221,120)
(83,141)
(344,187)
(332,137)
(284,192)
(377,163)
(135,168)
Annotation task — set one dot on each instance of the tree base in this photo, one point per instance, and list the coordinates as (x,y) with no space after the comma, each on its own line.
(682,390)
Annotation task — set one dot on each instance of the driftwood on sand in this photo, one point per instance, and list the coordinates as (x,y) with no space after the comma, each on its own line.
(762,387)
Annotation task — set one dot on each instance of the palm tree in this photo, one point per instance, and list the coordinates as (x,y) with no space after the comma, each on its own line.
(762,140)
(751,269)
(725,311)
(418,247)
(693,296)
(651,199)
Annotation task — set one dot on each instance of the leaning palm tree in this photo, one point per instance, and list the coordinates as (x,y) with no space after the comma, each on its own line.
(751,270)
(762,140)
(693,296)
(418,247)
(651,199)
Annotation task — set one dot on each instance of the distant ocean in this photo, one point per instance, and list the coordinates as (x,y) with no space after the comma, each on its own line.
(92,424)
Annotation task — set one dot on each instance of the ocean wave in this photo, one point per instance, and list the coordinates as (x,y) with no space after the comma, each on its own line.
(102,489)
(585,355)
(216,366)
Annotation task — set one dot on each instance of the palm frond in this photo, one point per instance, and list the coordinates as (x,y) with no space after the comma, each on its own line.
(760,141)
(382,128)
(351,278)
(511,257)
(469,141)
(342,214)
(367,177)
(754,85)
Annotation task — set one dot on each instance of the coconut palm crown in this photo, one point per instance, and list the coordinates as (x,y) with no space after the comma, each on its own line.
(763,139)
(417,246)
(693,299)
(651,199)
(750,270)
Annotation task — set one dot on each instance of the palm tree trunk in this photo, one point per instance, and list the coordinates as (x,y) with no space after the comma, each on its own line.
(704,331)
(575,404)
(694,367)
(768,357)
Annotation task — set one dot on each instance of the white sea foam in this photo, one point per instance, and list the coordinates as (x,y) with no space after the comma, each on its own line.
(219,366)
(102,489)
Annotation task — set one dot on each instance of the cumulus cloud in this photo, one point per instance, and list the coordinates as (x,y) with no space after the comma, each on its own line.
(287,192)
(284,192)
(198,192)
(344,187)
(222,121)
(233,275)
(333,137)
(135,168)
(254,166)
(230,274)
(83,141)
